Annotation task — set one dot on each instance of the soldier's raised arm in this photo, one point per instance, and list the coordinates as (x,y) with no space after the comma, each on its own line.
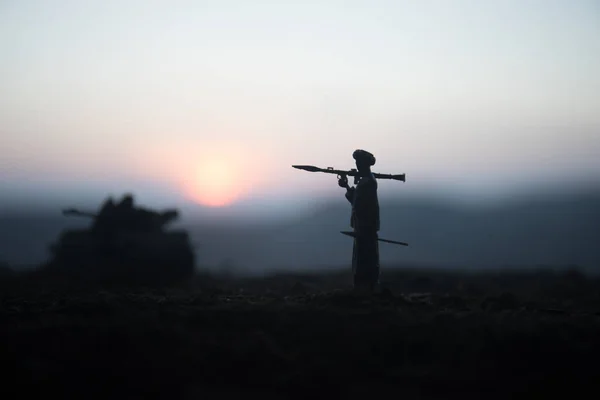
(343,182)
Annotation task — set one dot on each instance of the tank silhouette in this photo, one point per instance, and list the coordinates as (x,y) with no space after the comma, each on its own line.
(124,244)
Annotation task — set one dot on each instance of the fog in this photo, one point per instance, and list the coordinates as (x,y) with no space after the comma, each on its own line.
(557,226)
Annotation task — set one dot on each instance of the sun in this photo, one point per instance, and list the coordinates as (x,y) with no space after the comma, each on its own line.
(215,183)
(212,173)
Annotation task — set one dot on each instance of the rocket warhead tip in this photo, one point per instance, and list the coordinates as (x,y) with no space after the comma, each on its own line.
(310,168)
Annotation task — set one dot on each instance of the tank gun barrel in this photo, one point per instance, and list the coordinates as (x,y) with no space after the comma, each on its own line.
(77,213)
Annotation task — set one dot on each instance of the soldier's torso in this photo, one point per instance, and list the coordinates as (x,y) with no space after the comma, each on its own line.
(365,206)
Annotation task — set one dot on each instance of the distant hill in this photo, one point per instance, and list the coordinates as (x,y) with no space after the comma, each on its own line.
(550,229)
(26,235)
(544,230)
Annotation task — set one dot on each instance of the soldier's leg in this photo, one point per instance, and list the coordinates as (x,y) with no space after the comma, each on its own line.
(354,259)
(356,263)
(374,262)
(363,262)
(370,258)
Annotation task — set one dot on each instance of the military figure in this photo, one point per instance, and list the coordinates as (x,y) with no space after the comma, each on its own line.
(365,222)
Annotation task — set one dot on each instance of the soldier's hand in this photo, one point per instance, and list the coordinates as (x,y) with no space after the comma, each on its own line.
(343,182)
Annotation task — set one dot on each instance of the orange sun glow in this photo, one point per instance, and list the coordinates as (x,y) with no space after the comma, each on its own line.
(215,183)
(211,173)
(218,176)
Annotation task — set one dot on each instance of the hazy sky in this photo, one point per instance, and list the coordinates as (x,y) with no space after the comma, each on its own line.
(214,100)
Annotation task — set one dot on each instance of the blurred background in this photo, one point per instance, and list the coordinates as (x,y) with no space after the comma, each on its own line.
(492,109)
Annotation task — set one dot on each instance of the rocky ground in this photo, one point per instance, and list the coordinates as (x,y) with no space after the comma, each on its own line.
(428,334)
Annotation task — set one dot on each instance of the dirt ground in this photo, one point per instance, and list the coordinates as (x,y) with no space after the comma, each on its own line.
(426,334)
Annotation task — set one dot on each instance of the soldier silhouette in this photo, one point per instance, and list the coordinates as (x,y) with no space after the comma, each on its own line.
(365,222)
